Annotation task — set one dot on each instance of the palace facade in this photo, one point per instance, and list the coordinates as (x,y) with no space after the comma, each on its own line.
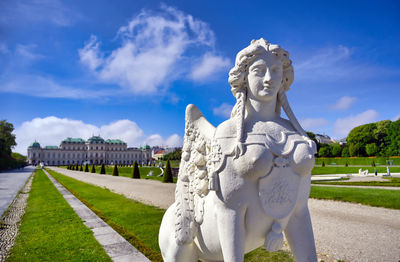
(95,150)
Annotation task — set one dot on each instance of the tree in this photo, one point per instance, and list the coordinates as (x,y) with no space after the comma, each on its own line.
(393,139)
(103,169)
(359,137)
(115,171)
(336,149)
(324,151)
(176,155)
(136,172)
(380,134)
(168,174)
(371,149)
(87,167)
(93,169)
(7,139)
(345,151)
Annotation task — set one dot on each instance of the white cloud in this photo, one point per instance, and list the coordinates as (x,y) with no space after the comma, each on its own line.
(336,64)
(396,118)
(40,86)
(344,103)
(223,110)
(52,130)
(172,141)
(310,123)
(155,49)
(37,11)
(343,126)
(90,54)
(209,65)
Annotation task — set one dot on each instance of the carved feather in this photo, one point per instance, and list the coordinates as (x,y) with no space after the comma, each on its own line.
(192,183)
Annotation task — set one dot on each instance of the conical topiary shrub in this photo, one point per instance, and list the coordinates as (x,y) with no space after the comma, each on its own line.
(76,167)
(323,163)
(103,169)
(346,165)
(81,168)
(86,167)
(93,169)
(115,171)
(136,172)
(168,174)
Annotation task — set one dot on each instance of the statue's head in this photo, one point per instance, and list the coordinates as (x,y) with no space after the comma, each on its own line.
(271,57)
(238,76)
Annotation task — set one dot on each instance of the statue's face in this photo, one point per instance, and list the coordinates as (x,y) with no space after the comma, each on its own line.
(265,77)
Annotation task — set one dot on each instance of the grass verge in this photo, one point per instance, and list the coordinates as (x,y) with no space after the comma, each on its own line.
(371,197)
(317,170)
(391,181)
(136,222)
(51,230)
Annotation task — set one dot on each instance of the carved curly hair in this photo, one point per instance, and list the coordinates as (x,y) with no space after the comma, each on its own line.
(238,81)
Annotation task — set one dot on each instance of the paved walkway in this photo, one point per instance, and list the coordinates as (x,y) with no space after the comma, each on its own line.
(10,183)
(351,232)
(113,243)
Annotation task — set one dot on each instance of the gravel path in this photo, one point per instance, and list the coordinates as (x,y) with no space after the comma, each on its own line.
(10,222)
(346,231)
(10,183)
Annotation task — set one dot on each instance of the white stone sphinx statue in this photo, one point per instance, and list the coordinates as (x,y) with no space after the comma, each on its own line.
(246,182)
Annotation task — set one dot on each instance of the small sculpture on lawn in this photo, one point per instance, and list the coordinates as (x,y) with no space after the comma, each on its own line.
(246,182)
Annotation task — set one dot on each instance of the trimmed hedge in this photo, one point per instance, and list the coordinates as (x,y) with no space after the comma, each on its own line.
(168,174)
(136,172)
(365,161)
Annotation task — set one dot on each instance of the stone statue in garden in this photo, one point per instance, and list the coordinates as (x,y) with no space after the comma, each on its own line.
(245,183)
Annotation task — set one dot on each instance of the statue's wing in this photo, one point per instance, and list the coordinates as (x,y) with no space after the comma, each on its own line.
(193,180)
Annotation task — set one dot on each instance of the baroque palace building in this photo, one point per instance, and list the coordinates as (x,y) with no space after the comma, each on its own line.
(95,150)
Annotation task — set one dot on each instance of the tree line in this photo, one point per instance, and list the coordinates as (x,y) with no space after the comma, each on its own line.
(374,139)
(8,159)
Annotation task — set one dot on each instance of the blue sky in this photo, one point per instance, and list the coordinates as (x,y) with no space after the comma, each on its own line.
(127,69)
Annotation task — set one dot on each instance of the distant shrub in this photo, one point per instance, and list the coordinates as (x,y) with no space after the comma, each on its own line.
(80,168)
(115,171)
(373,163)
(103,169)
(346,165)
(93,169)
(323,163)
(136,172)
(168,173)
(86,167)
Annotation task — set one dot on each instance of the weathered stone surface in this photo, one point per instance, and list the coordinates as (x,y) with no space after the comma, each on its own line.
(246,182)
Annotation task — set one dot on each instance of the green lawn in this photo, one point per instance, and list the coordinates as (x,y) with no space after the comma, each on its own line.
(137,222)
(318,170)
(363,161)
(390,181)
(372,197)
(51,230)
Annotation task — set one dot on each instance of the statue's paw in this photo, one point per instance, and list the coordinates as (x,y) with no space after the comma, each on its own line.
(274,241)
